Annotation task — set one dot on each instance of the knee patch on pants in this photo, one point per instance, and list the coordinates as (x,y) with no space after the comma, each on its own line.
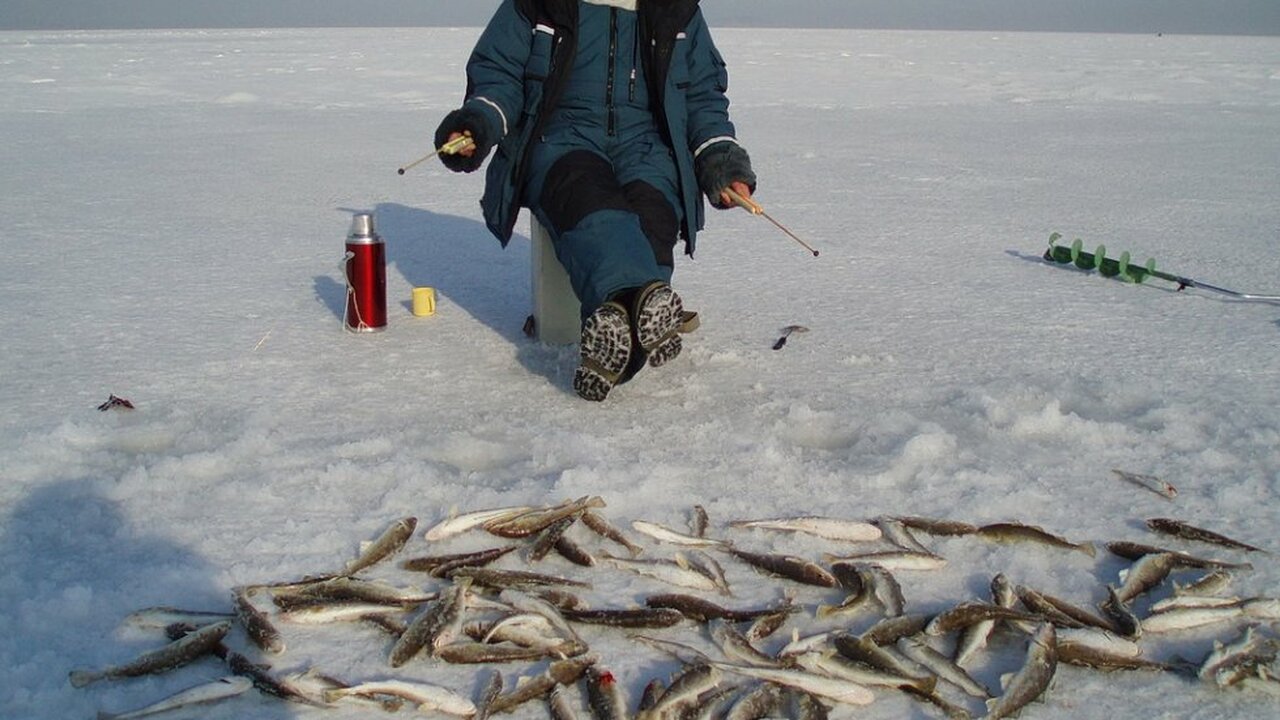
(578,184)
(657,219)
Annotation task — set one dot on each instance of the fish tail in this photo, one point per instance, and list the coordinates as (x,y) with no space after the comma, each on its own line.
(1089,549)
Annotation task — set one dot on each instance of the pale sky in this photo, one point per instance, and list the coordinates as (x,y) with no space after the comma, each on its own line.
(1259,17)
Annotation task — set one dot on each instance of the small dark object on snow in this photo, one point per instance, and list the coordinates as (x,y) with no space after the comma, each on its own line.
(115,402)
(786,332)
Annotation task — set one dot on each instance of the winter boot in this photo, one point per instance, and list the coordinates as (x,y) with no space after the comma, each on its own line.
(657,316)
(605,350)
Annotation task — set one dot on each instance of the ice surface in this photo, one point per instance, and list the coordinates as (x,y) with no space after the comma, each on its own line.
(176,203)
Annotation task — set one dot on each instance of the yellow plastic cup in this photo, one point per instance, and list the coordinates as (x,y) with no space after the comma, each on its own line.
(424,301)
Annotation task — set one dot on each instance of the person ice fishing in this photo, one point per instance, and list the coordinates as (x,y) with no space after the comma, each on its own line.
(609,121)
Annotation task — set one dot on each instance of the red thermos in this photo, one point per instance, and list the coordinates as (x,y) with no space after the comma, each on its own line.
(366,270)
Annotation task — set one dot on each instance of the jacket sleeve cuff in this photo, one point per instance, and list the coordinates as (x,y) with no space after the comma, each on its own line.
(466,119)
(721,164)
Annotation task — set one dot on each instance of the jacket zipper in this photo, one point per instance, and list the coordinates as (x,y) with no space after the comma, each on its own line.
(613,62)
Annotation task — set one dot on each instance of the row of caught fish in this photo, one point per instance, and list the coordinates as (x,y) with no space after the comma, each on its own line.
(532,614)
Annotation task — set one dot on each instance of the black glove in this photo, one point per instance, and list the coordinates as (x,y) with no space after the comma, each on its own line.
(720,165)
(467,121)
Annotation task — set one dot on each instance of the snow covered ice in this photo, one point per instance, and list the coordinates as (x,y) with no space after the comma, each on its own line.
(175,206)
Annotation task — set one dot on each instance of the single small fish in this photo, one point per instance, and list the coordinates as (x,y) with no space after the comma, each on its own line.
(324,612)
(701,610)
(605,696)
(893,560)
(570,550)
(1147,573)
(627,618)
(606,530)
(434,626)
(160,617)
(686,654)
(534,521)
(388,543)
(341,589)
(1150,482)
(1210,583)
(202,694)
(256,623)
(839,690)
(968,613)
(1189,618)
(1180,529)
(1102,641)
(933,526)
(458,524)
(1032,680)
(788,567)
(889,630)
(1184,602)
(675,572)
(440,565)
(180,652)
(665,534)
(488,577)
(787,331)
(426,696)
(1134,551)
(471,653)
(1060,612)
(1015,532)
(700,522)
(766,625)
(547,538)
(1091,657)
(823,527)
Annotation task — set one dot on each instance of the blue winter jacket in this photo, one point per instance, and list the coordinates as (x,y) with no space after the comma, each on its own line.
(517,71)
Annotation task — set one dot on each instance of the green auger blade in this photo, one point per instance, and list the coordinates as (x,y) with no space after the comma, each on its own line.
(1098,260)
(1125,270)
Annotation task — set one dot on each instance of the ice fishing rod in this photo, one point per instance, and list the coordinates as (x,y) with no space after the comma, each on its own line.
(1124,269)
(452,147)
(754,208)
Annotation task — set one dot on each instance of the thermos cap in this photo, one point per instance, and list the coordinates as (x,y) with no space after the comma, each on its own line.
(362,229)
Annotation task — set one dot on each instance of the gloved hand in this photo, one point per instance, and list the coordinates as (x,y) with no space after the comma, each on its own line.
(469,122)
(725,165)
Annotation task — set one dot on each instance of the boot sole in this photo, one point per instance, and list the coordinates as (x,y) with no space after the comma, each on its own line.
(605,350)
